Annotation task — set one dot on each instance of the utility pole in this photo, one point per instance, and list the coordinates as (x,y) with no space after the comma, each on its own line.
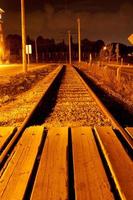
(24,62)
(117,53)
(36,51)
(70,53)
(79,40)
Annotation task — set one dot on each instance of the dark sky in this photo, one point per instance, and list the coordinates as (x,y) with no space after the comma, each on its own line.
(110,20)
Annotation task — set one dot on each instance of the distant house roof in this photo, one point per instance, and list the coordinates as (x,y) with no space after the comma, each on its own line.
(1,11)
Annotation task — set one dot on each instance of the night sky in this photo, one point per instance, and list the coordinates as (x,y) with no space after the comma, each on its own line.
(109,20)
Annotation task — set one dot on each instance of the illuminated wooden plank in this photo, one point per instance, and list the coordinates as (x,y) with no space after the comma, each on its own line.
(120,164)
(130,131)
(90,180)
(5,135)
(15,175)
(52,179)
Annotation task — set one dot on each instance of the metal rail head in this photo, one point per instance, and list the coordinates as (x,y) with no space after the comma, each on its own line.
(114,122)
(25,124)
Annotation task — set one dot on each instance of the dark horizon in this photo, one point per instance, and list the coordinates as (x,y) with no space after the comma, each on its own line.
(28,37)
(49,50)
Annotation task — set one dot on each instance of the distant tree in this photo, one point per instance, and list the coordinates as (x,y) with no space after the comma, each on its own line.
(98,45)
(14,44)
(29,40)
(40,40)
(86,45)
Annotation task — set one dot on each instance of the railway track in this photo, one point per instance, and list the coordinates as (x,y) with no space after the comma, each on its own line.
(67,102)
(74,106)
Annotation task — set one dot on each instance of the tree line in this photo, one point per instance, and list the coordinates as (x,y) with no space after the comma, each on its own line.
(48,50)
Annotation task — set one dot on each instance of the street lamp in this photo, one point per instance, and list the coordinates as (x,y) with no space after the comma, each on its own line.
(23,36)
(104,48)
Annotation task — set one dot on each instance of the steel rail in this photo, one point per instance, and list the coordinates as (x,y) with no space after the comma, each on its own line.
(58,73)
(116,125)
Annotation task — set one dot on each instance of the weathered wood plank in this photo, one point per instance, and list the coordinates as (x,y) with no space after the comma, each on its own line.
(130,131)
(5,134)
(120,164)
(15,175)
(90,179)
(52,178)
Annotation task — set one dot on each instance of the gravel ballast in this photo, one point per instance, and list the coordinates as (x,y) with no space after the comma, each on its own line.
(14,108)
(74,105)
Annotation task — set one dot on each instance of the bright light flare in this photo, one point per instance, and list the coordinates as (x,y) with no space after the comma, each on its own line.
(104,48)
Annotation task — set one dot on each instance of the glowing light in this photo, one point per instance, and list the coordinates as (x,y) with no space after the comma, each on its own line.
(104,48)
(1,54)
(1,51)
